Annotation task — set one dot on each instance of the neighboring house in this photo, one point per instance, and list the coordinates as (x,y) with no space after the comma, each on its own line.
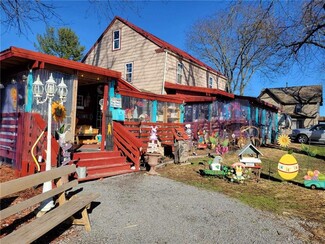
(147,62)
(302,103)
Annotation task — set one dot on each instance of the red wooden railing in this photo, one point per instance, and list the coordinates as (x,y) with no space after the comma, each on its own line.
(166,132)
(128,144)
(8,135)
(28,127)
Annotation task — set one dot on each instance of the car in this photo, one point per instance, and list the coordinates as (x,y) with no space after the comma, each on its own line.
(314,134)
(313,184)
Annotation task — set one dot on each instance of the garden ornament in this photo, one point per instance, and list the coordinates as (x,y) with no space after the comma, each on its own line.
(288,167)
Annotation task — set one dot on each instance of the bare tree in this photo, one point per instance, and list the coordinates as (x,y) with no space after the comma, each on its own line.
(307,28)
(20,14)
(239,42)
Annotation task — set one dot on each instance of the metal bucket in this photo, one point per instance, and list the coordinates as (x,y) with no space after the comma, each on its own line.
(81,171)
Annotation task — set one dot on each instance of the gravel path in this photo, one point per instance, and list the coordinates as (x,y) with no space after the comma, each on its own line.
(138,208)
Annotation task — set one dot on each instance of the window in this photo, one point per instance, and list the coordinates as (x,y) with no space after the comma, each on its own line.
(128,72)
(210,82)
(298,108)
(179,73)
(116,40)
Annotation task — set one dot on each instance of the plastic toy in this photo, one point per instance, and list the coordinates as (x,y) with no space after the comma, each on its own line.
(314,179)
(313,184)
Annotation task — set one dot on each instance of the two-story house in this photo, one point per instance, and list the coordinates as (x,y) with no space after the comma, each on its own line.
(147,62)
(301,103)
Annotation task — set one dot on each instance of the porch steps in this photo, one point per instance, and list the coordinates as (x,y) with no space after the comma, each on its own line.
(100,164)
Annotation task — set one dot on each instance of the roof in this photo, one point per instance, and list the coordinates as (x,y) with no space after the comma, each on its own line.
(159,42)
(296,94)
(14,57)
(258,102)
(196,91)
(249,149)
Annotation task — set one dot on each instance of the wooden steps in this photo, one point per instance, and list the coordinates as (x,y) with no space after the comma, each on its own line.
(100,164)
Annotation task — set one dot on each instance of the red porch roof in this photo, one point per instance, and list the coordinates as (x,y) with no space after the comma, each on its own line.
(14,57)
(196,91)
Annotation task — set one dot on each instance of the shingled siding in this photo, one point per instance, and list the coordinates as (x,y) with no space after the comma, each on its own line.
(193,75)
(148,65)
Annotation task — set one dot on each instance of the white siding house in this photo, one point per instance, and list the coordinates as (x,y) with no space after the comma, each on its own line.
(147,62)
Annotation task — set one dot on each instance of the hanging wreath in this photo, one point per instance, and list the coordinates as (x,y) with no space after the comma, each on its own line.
(59,112)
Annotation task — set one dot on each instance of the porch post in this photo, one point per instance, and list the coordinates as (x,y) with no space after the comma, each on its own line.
(104,112)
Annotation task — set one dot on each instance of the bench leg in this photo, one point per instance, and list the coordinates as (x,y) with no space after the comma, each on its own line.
(83,221)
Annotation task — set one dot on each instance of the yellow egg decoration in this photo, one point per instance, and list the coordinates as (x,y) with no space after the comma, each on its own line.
(288,167)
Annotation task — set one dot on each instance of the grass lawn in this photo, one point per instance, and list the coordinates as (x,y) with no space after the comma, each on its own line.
(271,193)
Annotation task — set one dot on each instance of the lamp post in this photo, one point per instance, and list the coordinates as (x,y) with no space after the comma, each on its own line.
(51,89)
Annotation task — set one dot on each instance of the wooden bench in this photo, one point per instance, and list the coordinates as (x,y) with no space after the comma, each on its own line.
(64,209)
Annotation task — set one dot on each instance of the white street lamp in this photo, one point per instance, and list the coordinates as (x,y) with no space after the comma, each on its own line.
(50,90)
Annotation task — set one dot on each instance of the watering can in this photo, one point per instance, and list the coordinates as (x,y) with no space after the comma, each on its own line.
(99,138)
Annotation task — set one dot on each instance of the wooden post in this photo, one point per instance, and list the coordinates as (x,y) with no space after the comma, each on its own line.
(109,134)
(104,121)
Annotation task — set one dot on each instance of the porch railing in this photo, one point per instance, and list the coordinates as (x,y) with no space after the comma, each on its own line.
(165,132)
(128,144)
(23,130)
(8,135)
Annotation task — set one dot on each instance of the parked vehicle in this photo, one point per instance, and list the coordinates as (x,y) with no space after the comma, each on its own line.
(315,134)
(313,184)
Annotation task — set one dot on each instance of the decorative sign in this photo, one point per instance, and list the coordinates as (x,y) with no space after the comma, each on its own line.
(116,102)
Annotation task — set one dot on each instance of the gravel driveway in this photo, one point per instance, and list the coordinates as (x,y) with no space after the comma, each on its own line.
(138,208)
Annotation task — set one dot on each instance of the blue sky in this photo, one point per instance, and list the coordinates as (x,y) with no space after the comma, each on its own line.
(168,20)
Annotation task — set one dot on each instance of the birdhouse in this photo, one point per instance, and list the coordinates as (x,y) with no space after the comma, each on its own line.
(249,155)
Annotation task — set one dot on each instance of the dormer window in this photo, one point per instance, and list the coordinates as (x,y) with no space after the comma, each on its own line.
(116,40)
(179,73)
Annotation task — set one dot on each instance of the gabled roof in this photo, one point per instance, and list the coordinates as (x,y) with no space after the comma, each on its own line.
(249,149)
(296,94)
(159,42)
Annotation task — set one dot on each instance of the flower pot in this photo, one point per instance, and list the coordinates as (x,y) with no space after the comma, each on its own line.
(153,161)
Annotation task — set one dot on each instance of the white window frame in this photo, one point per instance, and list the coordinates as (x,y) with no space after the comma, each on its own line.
(210,83)
(117,39)
(129,74)
(179,73)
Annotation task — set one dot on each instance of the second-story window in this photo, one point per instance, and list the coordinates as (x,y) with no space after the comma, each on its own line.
(116,40)
(179,73)
(129,72)
(210,82)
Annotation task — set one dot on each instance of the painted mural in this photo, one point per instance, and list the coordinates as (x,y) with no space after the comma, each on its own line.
(13,98)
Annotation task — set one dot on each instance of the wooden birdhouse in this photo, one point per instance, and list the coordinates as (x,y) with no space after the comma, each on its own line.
(249,155)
